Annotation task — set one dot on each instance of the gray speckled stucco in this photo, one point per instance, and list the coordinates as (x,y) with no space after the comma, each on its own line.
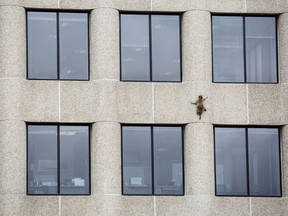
(106,103)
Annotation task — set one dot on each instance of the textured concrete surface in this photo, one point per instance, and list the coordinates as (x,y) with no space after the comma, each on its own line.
(40,101)
(269,206)
(229,103)
(12,42)
(199,159)
(226,6)
(22,205)
(196,46)
(13,157)
(105,102)
(135,102)
(202,205)
(283,47)
(106,157)
(107,205)
(265,105)
(104,40)
(266,6)
(284,165)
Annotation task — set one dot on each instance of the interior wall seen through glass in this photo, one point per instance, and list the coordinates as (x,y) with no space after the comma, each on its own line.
(42,160)
(261,54)
(168,161)
(152,160)
(42,45)
(137,168)
(230,158)
(135,58)
(228,50)
(165,48)
(63,150)
(73,46)
(264,162)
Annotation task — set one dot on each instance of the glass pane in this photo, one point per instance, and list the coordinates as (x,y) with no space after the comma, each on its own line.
(261,49)
(135,63)
(230,157)
(73,29)
(42,45)
(74,160)
(136,162)
(168,161)
(228,57)
(264,167)
(165,48)
(42,159)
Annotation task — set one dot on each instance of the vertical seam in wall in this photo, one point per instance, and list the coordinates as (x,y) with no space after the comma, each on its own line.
(247,103)
(58,3)
(155,210)
(245,4)
(59,101)
(250,207)
(153,104)
(151,5)
(59,205)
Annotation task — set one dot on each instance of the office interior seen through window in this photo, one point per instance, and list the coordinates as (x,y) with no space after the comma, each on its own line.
(99,112)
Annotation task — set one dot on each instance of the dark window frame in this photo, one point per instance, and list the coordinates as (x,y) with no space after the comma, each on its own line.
(57,42)
(150,45)
(58,157)
(247,158)
(152,159)
(244,46)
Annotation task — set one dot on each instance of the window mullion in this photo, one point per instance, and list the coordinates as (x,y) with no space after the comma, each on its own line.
(152,161)
(244,49)
(247,162)
(58,159)
(150,47)
(58,45)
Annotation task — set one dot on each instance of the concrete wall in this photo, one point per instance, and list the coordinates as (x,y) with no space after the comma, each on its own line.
(106,102)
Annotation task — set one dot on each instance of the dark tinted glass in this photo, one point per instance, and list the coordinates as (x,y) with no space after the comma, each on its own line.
(228,51)
(74,160)
(264,163)
(165,48)
(73,44)
(137,174)
(230,158)
(168,161)
(42,160)
(42,45)
(260,38)
(135,63)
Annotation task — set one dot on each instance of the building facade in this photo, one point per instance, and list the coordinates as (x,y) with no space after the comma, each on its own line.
(107,104)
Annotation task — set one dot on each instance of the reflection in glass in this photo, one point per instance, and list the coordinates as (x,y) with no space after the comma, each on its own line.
(228,53)
(73,44)
(260,37)
(137,176)
(42,45)
(264,169)
(230,158)
(135,64)
(42,159)
(74,160)
(165,48)
(168,161)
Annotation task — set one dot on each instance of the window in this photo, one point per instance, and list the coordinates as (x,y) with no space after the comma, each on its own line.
(58,159)
(244,49)
(150,48)
(57,45)
(152,160)
(247,161)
